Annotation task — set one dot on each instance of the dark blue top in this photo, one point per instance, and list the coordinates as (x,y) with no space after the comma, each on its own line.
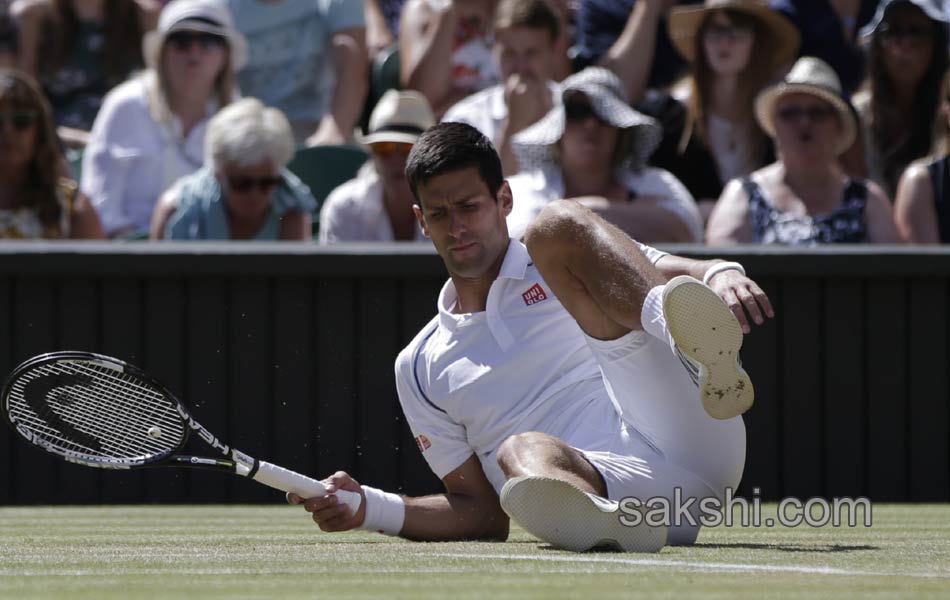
(939,171)
(599,24)
(823,36)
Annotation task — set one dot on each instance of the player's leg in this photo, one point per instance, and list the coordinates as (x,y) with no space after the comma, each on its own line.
(597,272)
(557,495)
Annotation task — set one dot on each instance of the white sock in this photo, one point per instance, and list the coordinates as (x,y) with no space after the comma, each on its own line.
(651,314)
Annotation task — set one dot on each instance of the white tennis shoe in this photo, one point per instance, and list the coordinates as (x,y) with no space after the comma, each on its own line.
(567,517)
(706,337)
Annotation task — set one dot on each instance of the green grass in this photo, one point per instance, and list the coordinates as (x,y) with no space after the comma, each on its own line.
(275,552)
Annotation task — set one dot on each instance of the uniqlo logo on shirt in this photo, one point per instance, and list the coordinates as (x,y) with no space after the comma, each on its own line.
(423,443)
(534,295)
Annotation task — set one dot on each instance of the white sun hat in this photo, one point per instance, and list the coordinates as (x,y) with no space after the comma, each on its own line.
(208,16)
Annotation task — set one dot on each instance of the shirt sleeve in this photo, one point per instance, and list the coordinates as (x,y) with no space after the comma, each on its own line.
(107,159)
(442,441)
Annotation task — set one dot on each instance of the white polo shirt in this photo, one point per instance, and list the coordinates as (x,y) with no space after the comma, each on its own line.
(486,110)
(469,381)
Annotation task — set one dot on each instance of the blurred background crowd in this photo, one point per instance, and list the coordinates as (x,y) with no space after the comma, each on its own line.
(794,122)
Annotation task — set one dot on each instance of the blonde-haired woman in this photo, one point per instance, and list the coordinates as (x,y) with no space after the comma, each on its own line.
(922,206)
(150,130)
(736,48)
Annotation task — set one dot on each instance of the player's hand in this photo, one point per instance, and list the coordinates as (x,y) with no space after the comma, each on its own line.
(742,295)
(328,512)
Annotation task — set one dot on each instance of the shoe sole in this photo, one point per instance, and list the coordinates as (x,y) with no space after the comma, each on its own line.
(561,514)
(706,331)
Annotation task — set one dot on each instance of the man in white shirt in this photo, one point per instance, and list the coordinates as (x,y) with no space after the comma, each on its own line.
(526,34)
(548,375)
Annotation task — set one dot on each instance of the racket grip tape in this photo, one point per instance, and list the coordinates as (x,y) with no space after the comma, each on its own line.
(305,487)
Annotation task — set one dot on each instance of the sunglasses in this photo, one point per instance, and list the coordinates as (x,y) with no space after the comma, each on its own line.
(732,33)
(242,185)
(816,114)
(387,149)
(20,121)
(184,40)
(580,111)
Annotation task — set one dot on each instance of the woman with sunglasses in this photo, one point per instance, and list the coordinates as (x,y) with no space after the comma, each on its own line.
(245,191)
(735,48)
(804,198)
(907,60)
(592,147)
(376,206)
(79,50)
(35,200)
(922,205)
(150,130)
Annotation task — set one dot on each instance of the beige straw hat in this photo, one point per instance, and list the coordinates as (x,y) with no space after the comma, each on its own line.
(399,116)
(812,76)
(684,23)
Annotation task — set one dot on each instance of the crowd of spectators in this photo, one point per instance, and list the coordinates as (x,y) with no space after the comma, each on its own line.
(793,122)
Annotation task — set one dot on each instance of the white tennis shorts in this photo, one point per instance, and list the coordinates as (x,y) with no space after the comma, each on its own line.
(667,440)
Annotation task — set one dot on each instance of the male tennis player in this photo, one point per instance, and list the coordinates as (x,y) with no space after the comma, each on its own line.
(553,375)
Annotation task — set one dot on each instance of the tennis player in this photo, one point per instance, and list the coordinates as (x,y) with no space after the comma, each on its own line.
(562,377)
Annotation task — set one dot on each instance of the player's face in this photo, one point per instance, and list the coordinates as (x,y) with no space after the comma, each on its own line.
(525,51)
(466,224)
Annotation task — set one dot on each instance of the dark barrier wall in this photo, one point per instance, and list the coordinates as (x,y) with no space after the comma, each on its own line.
(287,352)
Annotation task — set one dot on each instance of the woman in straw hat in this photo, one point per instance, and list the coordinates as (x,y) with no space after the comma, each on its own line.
(376,206)
(735,49)
(907,59)
(804,198)
(922,205)
(150,130)
(244,191)
(593,147)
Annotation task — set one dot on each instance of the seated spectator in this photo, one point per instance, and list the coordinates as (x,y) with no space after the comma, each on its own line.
(9,40)
(922,205)
(829,31)
(150,130)
(376,206)
(244,191)
(525,37)
(308,59)
(628,37)
(445,49)
(804,198)
(592,147)
(35,200)
(79,50)
(736,48)
(907,60)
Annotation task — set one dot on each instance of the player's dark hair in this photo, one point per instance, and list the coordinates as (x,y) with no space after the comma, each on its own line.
(449,147)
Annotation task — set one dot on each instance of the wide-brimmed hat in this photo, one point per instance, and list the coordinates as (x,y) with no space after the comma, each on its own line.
(607,97)
(935,10)
(812,76)
(209,16)
(399,116)
(684,23)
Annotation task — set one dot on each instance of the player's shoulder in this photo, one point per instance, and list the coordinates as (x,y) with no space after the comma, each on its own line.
(407,355)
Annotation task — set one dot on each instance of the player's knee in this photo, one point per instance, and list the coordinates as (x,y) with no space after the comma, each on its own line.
(559,222)
(519,451)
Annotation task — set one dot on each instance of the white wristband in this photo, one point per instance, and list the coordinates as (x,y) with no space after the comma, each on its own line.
(719,268)
(385,512)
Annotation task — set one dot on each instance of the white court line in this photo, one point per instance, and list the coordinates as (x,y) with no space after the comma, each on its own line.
(708,566)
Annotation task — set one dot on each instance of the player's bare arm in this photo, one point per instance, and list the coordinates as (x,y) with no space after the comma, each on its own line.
(468,510)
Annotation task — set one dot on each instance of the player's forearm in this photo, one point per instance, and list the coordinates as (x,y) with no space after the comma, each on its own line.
(447,517)
(671,266)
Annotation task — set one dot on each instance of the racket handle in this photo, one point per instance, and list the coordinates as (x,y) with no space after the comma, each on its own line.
(305,487)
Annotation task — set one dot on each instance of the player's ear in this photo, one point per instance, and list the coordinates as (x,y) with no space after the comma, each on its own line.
(417,210)
(504,198)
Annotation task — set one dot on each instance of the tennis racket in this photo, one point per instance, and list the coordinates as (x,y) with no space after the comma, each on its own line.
(102,412)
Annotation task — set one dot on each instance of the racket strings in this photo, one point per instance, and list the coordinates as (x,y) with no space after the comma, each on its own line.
(98,411)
